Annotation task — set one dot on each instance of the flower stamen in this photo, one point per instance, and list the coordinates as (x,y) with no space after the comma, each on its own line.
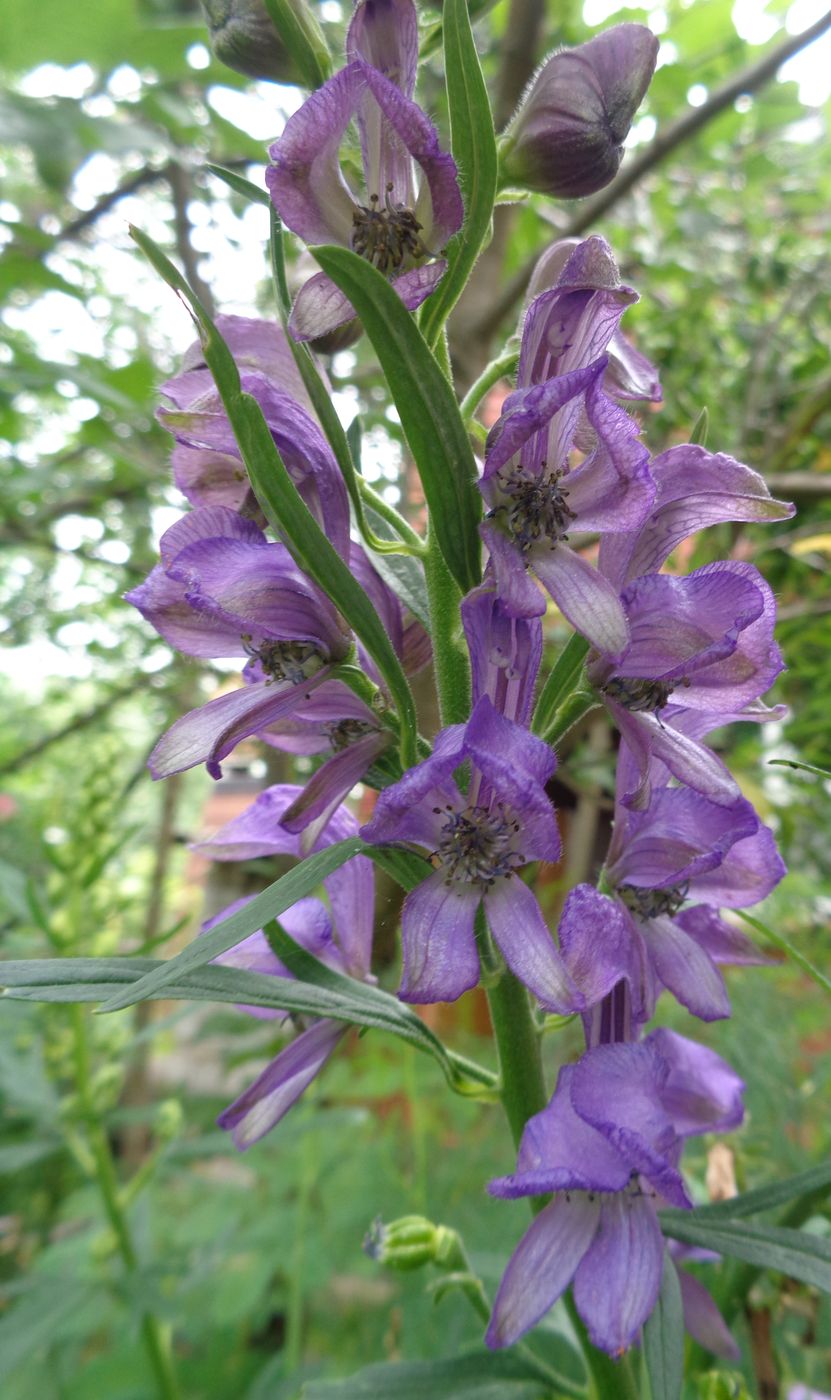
(386,236)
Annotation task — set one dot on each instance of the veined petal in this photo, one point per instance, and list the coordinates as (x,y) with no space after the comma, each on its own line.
(319,307)
(679,626)
(584,596)
(681,836)
(750,870)
(517,592)
(617,1283)
(685,969)
(696,488)
(304,180)
(384,33)
(505,652)
(559,1142)
(521,934)
(692,763)
(542,1266)
(723,942)
(208,734)
(330,785)
(440,960)
(279,1086)
(596,944)
(528,411)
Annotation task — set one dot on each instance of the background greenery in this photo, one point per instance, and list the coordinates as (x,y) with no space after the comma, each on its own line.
(109,114)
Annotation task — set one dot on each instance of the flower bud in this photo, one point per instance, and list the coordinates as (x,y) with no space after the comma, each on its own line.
(244,38)
(567,137)
(408,1243)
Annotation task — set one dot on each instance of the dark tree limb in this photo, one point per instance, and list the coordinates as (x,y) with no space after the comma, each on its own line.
(519,49)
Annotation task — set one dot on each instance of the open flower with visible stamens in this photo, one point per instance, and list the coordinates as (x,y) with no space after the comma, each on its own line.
(410,202)
(705,642)
(222,590)
(669,871)
(538,498)
(477,840)
(608,1147)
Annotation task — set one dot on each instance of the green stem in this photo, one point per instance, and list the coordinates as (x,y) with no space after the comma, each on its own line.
(294,1308)
(496,370)
(573,709)
(450,660)
(518,1043)
(411,543)
(153,1335)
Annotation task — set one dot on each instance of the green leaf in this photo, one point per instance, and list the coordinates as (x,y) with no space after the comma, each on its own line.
(321,993)
(814,1182)
(426,406)
(479,1375)
(270,904)
(254,193)
(400,572)
(780,941)
(806,767)
(560,683)
(473,144)
(793,1252)
(663,1337)
(283,504)
(303,38)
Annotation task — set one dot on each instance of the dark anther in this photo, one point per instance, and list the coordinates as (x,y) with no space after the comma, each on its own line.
(635,694)
(651,904)
(386,236)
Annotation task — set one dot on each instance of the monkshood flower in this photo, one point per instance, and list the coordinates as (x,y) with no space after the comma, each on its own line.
(223,590)
(477,842)
(207,466)
(537,502)
(566,139)
(410,203)
(505,652)
(629,375)
(608,1147)
(340,936)
(670,869)
(703,642)
(694,489)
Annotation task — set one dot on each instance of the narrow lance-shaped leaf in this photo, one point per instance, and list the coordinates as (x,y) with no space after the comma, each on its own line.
(426,406)
(663,1338)
(811,1184)
(793,1252)
(270,904)
(473,143)
(321,397)
(283,504)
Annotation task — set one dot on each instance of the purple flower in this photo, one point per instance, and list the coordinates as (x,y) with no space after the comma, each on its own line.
(537,502)
(607,1146)
(399,220)
(477,842)
(694,489)
(670,869)
(222,590)
(207,466)
(537,499)
(566,139)
(340,936)
(700,642)
(589,266)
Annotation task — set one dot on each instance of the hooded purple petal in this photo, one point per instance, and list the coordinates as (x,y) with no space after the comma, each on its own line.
(685,969)
(596,945)
(384,33)
(304,180)
(700,1092)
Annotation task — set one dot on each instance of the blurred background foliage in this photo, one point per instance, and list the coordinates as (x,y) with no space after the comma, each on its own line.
(109,114)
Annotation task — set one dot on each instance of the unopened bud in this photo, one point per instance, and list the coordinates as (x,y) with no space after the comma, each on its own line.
(244,38)
(566,139)
(409,1243)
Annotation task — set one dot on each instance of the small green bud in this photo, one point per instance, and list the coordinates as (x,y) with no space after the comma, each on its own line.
(409,1243)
